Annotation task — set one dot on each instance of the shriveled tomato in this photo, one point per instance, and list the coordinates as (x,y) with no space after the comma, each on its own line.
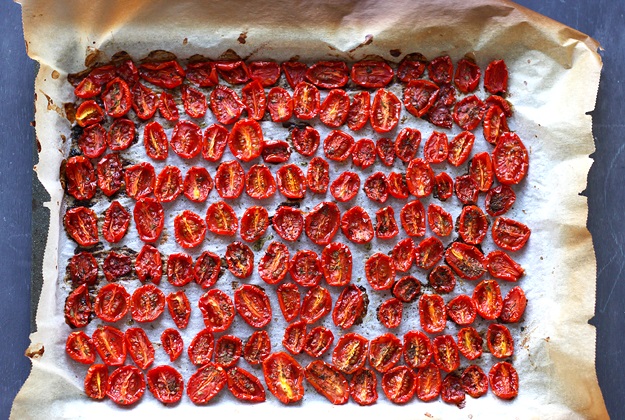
(338,145)
(116,266)
(466,189)
(334,109)
(380,271)
(294,72)
(487,299)
(186,139)
(509,234)
(420,178)
(439,220)
(371,74)
(214,142)
(385,111)
(288,223)
(328,74)
(474,381)
(112,302)
(470,343)
(419,97)
(167,107)
(254,223)
(428,382)
(412,217)
(259,182)
(411,67)
(172,343)
(359,111)
(96,381)
(204,384)
(462,310)
(197,184)
(253,305)
(305,268)
(306,100)
(468,112)
(466,260)
(407,144)
(168,74)
(126,385)
(179,308)
(322,223)
(305,140)
(363,153)
(289,300)
(407,289)
(166,384)
(327,381)
(363,387)
(494,124)
(83,269)
(139,347)
(284,377)
(121,134)
(399,384)
(397,186)
(385,148)
(472,225)
(226,105)
(318,175)
(403,254)
(255,100)
(207,269)
(441,69)
(93,141)
(294,336)
(452,391)
(318,341)
(80,347)
(229,179)
(350,307)
(110,344)
(386,226)
(179,269)
(81,225)
(246,139)
(481,170)
(202,347)
(89,113)
(147,303)
(501,266)
(384,352)
(266,72)
(345,186)
(110,174)
(467,75)
(128,71)
(155,141)
(87,88)
(443,186)
(144,101)
(221,219)
(279,104)
(350,353)
(499,200)
(336,264)
(116,98)
(244,385)
(217,310)
(149,265)
(227,350)
(460,148)
(496,77)
(234,72)
(80,178)
(140,179)
(417,349)
(240,260)
(356,225)
(504,380)
(499,341)
(390,313)
(257,348)
(168,185)
(501,103)
(442,279)
(446,353)
(513,306)
(291,181)
(316,304)
(275,151)
(436,148)
(432,313)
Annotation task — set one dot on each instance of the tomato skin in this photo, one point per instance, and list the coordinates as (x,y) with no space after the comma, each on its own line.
(110,344)
(289,300)
(428,382)
(412,217)
(139,347)
(144,101)
(335,108)
(466,189)
(350,307)
(93,141)
(376,187)
(252,304)
(167,107)
(467,75)
(466,260)
(436,148)
(442,279)
(363,387)
(116,98)
(386,227)
(510,159)
(487,298)
(148,264)
(227,350)
(316,304)
(380,271)
(350,353)
(501,266)
(474,381)
(305,140)
(81,225)
(513,305)
(462,310)
(257,348)
(155,141)
(417,349)
(291,181)
(240,260)
(509,234)
(259,182)
(245,386)
(371,74)
(390,313)
(420,178)
(168,185)
(305,268)
(197,184)
(255,100)
(254,223)
(327,381)
(432,313)
(294,72)
(288,223)
(214,142)
(89,113)
(328,74)
(440,69)
(384,352)
(221,219)
(318,175)
(202,347)
(363,153)
(110,174)
(226,105)
(499,200)
(322,223)
(399,384)
(356,225)
(281,371)
(126,385)
(345,187)
(419,97)
(80,178)
(306,100)
(411,67)
(147,303)
(318,341)
(266,72)
(207,269)
(204,384)
(385,111)
(359,111)
(229,179)
(172,343)
(83,269)
(504,380)
(179,269)
(234,72)
(294,336)
(338,145)
(496,77)
(112,302)
(336,264)
(80,347)
(468,112)
(166,384)
(179,308)
(275,151)
(217,309)
(96,381)
(499,341)
(472,225)
(168,74)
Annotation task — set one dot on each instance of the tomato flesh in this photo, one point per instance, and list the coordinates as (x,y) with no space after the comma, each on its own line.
(327,381)
(202,347)
(253,305)
(350,307)
(204,384)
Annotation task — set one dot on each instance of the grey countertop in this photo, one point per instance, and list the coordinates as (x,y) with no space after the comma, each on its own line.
(604,20)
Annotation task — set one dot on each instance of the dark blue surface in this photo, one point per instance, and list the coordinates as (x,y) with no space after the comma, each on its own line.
(602,19)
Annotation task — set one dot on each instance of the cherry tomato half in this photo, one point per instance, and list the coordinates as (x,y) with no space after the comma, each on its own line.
(345,186)
(322,223)
(407,289)
(252,304)
(462,310)
(96,381)
(139,347)
(257,348)
(112,302)
(399,384)
(197,184)
(350,353)
(305,268)
(217,309)
(327,381)
(80,347)
(289,300)
(510,159)
(336,264)
(509,234)
(240,259)
(179,269)
(316,304)
(147,303)
(499,341)
(295,72)
(226,105)
(318,175)
(214,142)
(496,77)
(466,260)
(166,384)
(417,349)
(350,307)
(384,352)
(189,229)
(110,344)
(318,341)
(284,377)
(306,100)
(204,384)
(140,179)
(335,108)
(202,346)
(221,219)
(148,264)
(126,385)
(81,225)
(155,141)
(244,385)
(513,306)
(230,179)
(380,271)
(110,174)
(467,75)
(385,111)
(499,200)
(390,313)
(432,313)
(288,222)
(363,387)
(83,269)
(487,299)
(80,178)
(359,111)
(501,266)
(207,269)
(356,225)
(227,350)
(254,223)
(474,381)
(172,343)
(504,380)
(328,74)
(179,308)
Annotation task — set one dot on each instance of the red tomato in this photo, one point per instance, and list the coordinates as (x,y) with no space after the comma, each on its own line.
(359,111)
(306,100)
(510,159)
(318,176)
(305,140)
(328,74)
(472,225)
(399,384)
(255,100)
(294,336)
(291,181)
(428,382)
(417,349)
(470,342)
(452,391)
(89,113)
(197,184)
(140,180)
(440,221)
(474,381)
(322,223)
(116,98)
(443,186)
(432,313)
(144,101)
(467,75)
(207,269)
(284,377)
(139,347)
(167,107)
(202,346)
(221,219)
(499,200)
(83,269)
(240,260)
(468,112)
(419,97)
(316,304)
(186,139)
(111,303)
(403,254)
(380,271)
(318,341)
(345,186)
(96,381)
(460,148)
(385,111)
(407,289)
(351,307)
(407,144)
(350,353)
(499,341)
(93,141)
(126,385)
(166,384)
(487,299)
(397,186)
(127,71)
(280,104)
(420,178)
(501,266)
(229,179)
(80,178)
(148,264)
(116,266)
(172,343)
(446,353)
(371,74)
(428,253)
(386,226)
(390,313)
(168,185)
(504,380)
(266,72)
(496,77)
(363,387)
(462,310)
(441,69)
(385,149)
(214,142)
(147,303)
(80,347)
(509,234)
(257,348)
(295,72)
(253,305)
(254,223)
(245,386)
(466,260)
(168,74)
(494,124)
(179,269)
(110,174)
(179,308)
(436,148)
(110,344)
(481,171)
(226,105)
(336,264)
(81,225)
(245,140)
(305,268)
(356,225)
(288,223)
(466,189)
(501,103)
(442,279)
(234,72)
(412,217)
(204,384)
(289,300)
(411,67)
(513,305)
(87,89)
(338,145)
(227,350)
(384,352)
(327,381)
(275,151)
(334,109)
(363,153)
(121,134)
(155,141)
(259,182)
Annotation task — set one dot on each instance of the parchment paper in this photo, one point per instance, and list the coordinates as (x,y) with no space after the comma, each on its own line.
(554,78)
